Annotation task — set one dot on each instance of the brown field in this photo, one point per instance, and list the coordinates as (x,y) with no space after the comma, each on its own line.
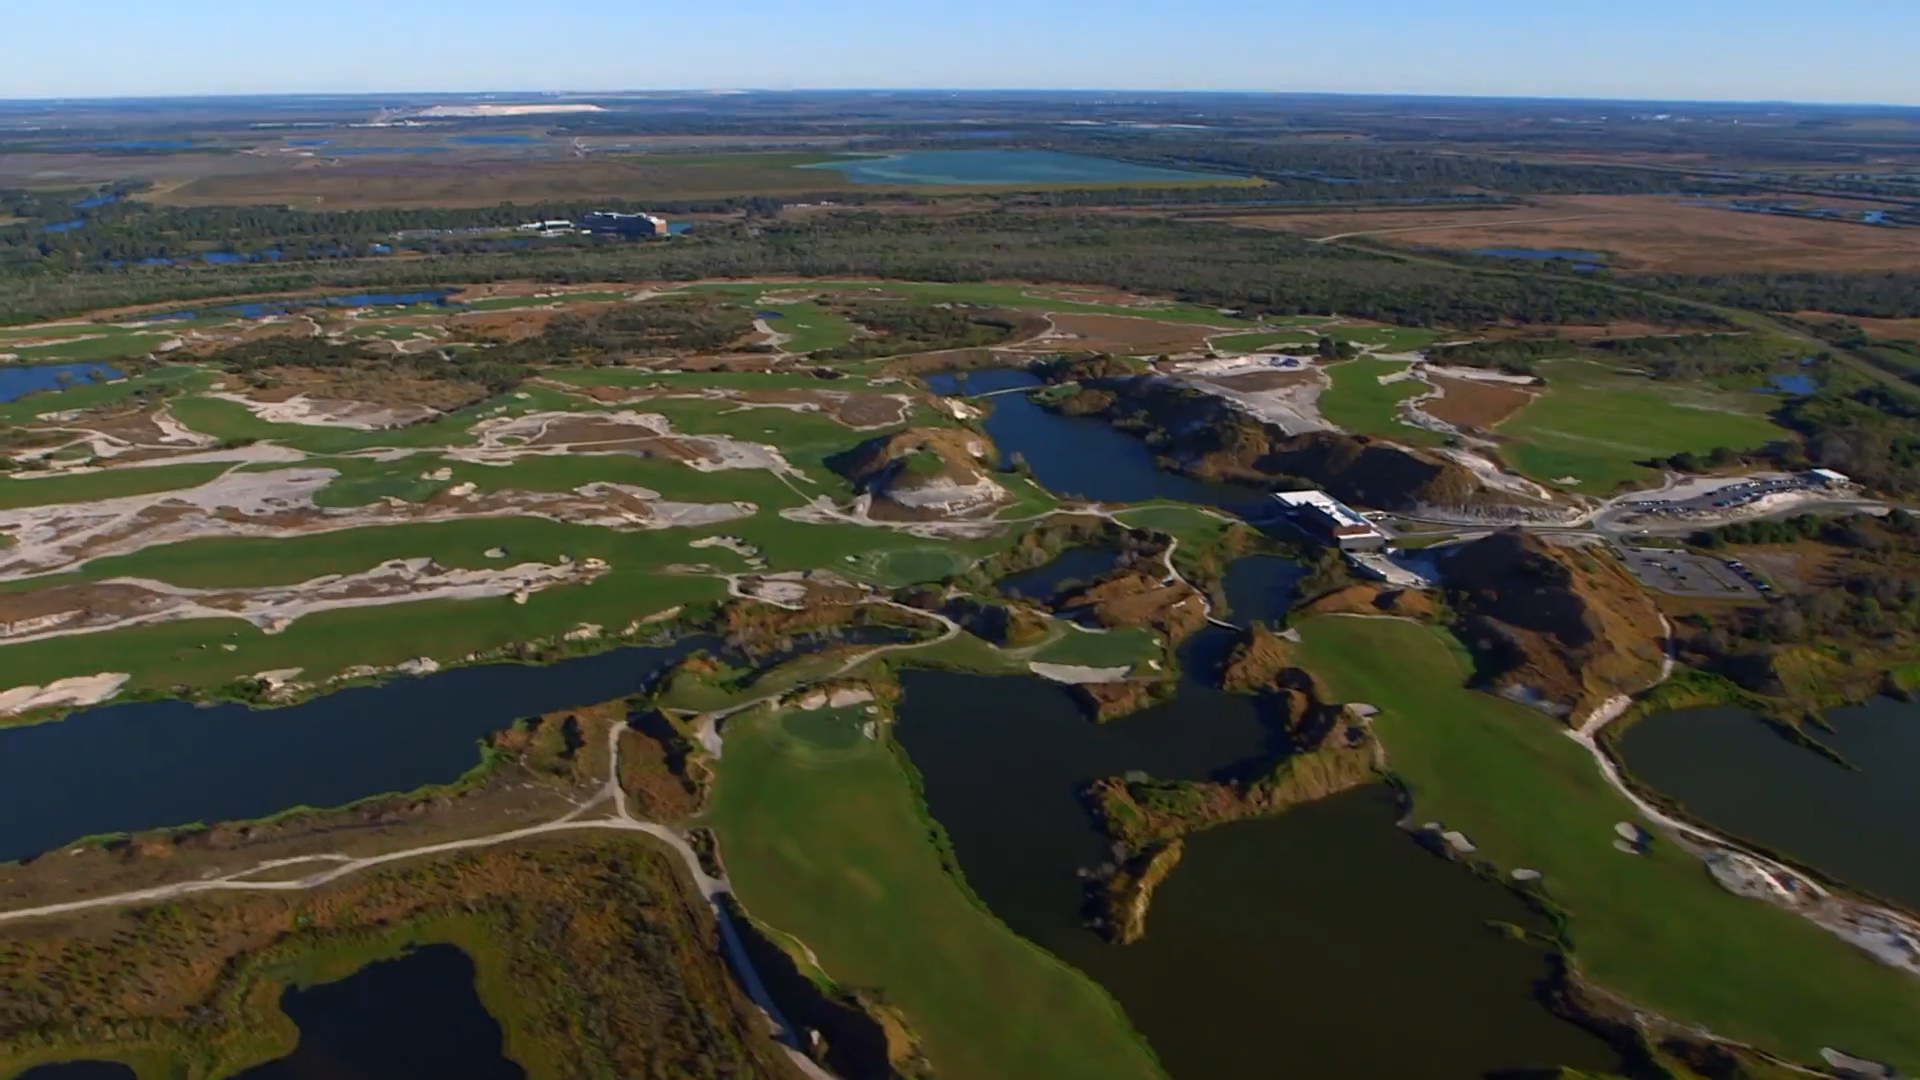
(1254,382)
(1892,329)
(1472,404)
(1640,232)
(1124,334)
(454,182)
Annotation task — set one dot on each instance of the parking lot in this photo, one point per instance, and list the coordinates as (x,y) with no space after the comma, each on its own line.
(1681,573)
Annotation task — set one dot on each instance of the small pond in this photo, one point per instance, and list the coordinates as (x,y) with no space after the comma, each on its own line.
(414,1018)
(1082,456)
(1079,564)
(1736,773)
(1260,588)
(17,381)
(492,140)
(979,167)
(1541,254)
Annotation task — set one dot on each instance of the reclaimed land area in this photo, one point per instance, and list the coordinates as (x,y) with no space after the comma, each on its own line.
(1652,927)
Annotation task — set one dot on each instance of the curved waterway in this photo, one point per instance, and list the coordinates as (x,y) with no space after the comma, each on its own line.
(149,765)
(1284,947)
(1081,456)
(1735,773)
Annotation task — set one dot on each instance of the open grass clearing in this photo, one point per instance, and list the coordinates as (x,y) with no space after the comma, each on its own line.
(1125,646)
(231,421)
(108,347)
(26,490)
(1012,296)
(1593,423)
(1359,402)
(1244,343)
(1655,928)
(195,653)
(829,843)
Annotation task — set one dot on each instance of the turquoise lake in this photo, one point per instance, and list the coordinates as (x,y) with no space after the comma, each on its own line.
(1005,167)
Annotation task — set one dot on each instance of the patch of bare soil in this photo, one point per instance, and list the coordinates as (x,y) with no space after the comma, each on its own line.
(371,385)
(1569,628)
(1139,599)
(925,474)
(1254,382)
(1112,700)
(1374,600)
(505,439)
(1469,403)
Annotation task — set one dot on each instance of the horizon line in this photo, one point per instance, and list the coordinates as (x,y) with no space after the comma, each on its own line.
(736,91)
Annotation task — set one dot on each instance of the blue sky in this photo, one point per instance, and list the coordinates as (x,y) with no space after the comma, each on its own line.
(1837,50)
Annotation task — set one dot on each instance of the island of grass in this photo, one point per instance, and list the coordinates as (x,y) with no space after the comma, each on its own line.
(825,839)
(1653,928)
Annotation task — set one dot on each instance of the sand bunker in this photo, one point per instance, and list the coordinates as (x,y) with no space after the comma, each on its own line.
(1074,675)
(120,603)
(81,690)
(48,539)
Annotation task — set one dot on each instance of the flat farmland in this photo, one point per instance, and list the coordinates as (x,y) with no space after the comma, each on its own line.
(1592,426)
(450,180)
(1637,232)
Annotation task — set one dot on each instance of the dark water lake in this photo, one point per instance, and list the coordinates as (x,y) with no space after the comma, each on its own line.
(1005,167)
(380,151)
(492,140)
(17,381)
(149,765)
(1731,770)
(1079,564)
(1260,588)
(1791,385)
(414,1018)
(1290,946)
(1082,456)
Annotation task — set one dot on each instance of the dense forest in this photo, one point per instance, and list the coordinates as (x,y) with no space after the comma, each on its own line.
(1690,356)
(1198,261)
(1878,295)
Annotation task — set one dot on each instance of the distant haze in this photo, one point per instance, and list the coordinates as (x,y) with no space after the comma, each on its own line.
(1720,50)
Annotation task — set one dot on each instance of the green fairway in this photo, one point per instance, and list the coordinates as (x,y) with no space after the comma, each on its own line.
(1018,297)
(194,653)
(1593,423)
(826,840)
(89,395)
(1393,339)
(1654,928)
(18,492)
(1240,343)
(107,346)
(1123,647)
(1359,402)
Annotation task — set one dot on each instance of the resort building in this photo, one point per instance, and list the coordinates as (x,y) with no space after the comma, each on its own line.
(607,221)
(1325,516)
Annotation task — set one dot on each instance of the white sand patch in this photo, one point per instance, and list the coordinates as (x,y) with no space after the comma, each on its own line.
(79,691)
(121,603)
(1492,475)
(1074,675)
(1481,375)
(948,496)
(822,511)
(506,439)
(280,503)
(325,412)
(1295,410)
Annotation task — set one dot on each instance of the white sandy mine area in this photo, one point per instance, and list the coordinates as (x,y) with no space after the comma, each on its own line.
(1295,410)
(331,412)
(120,603)
(279,504)
(505,439)
(81,690)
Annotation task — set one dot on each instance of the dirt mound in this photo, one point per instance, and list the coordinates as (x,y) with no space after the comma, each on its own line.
(1257,662)
(924,471)
(1373,600)
(1112,700)
(1566,627)
(1138,599)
